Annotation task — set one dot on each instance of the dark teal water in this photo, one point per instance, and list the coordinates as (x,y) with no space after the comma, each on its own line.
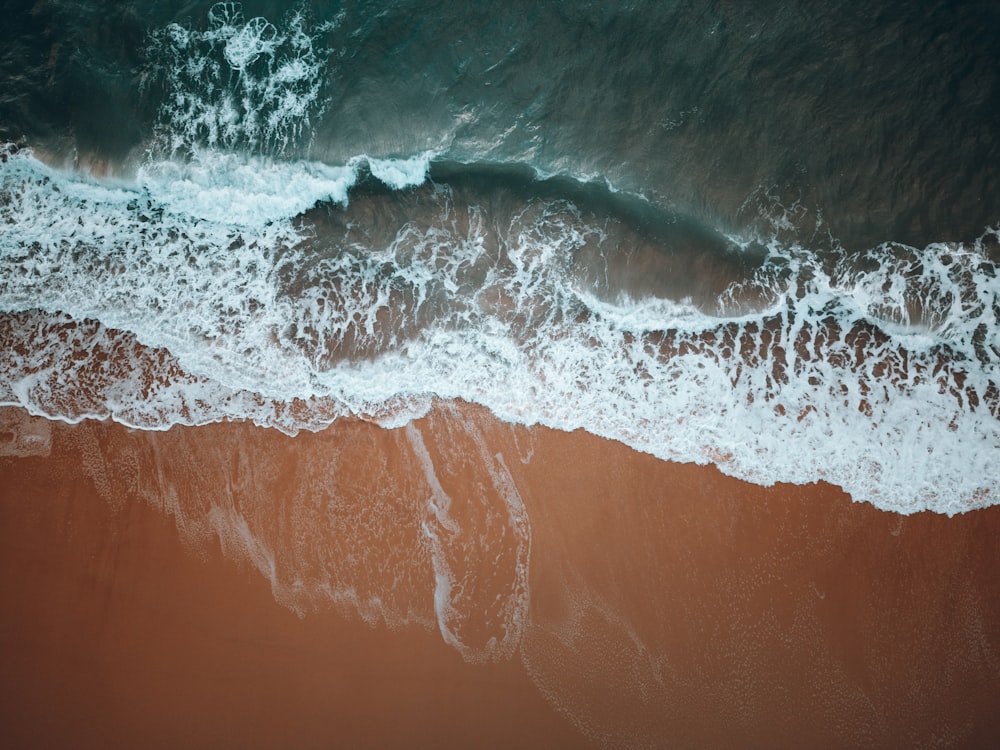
(883,122)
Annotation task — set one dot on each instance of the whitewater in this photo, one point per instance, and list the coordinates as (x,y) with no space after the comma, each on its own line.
(220,275)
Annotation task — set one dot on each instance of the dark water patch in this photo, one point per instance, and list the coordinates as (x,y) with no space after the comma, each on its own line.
(74,72)
(593,197)
(880,121)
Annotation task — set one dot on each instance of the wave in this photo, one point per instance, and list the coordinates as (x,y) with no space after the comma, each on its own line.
(318,295)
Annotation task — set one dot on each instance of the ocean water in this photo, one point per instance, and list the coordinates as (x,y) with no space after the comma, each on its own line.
(763,236)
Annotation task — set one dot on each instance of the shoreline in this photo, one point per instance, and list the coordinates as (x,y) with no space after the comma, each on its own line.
(211,585)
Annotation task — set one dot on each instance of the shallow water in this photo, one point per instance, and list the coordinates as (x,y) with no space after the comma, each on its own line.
(758,238)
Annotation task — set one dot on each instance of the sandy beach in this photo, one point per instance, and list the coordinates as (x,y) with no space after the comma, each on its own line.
(229,586)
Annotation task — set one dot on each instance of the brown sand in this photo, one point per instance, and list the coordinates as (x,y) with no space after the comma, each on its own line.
(656,604)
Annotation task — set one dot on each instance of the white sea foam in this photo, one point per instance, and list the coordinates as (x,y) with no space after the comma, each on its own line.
(401,173)
(238,82)
(251,316)
(247,191)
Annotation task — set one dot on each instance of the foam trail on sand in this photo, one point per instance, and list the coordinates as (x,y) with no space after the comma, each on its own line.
(480,564)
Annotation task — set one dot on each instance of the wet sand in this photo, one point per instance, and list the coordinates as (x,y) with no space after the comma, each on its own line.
(229,586)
